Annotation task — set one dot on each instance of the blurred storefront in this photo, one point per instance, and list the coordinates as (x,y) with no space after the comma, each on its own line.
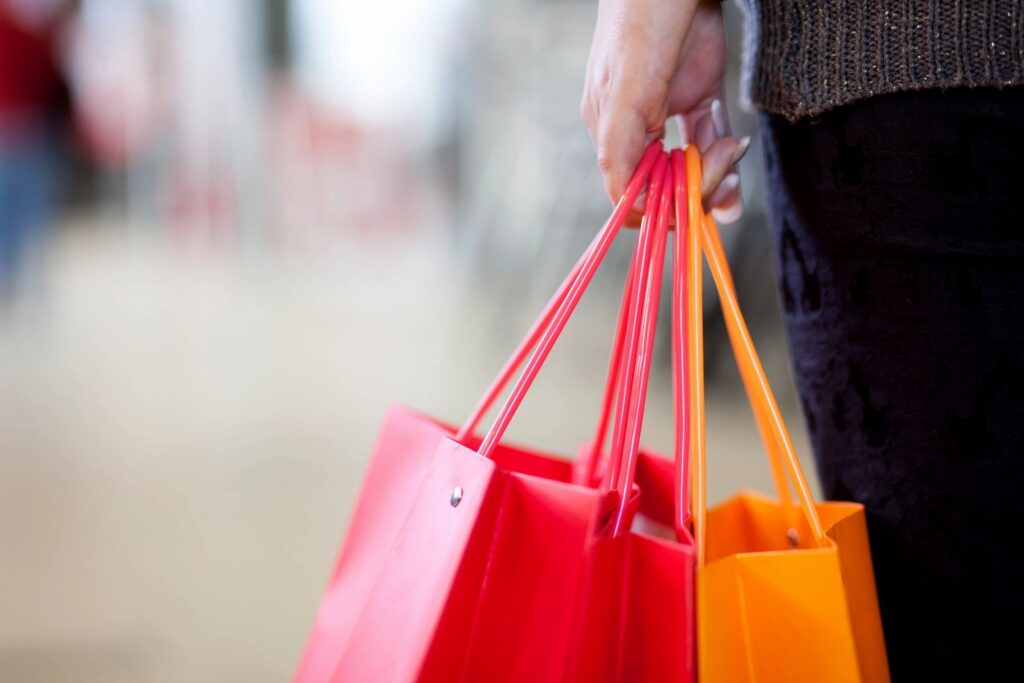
(263,222)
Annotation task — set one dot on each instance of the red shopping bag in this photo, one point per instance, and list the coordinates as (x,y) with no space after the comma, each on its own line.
(476,561)
(654,575)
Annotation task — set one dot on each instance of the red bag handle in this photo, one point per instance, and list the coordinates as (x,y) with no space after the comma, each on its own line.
(679,334)
(654,156)
(624,461)
(640,294)
(593,457)
(543,322)
(681,288)
(626,387)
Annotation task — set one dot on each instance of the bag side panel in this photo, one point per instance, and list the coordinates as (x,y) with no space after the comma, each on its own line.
(527,603)
(659,630)
(723,652)
(395,628)
(850,534)
(404,451)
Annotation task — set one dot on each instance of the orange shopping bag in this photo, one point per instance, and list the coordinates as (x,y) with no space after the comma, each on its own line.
(785,589)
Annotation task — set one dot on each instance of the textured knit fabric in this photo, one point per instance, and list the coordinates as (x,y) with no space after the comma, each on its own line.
(808,56)
(900,256)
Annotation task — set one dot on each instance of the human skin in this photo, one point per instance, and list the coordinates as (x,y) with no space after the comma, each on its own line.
(652,60)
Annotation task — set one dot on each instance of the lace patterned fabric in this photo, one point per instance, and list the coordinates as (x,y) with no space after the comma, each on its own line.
(898,226)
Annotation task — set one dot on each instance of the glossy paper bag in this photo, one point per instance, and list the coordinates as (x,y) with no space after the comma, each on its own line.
(470,560)
(785,589)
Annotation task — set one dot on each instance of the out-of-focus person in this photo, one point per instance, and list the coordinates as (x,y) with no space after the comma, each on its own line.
(33,114)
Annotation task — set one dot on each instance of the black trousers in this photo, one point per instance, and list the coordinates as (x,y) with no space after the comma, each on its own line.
(898,229)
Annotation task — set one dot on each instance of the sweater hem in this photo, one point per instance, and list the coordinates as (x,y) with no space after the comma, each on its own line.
(810,56)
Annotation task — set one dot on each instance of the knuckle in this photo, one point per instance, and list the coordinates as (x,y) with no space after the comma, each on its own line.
(585,108)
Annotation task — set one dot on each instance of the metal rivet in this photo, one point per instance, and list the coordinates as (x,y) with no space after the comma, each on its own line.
(794,539)
(456,496)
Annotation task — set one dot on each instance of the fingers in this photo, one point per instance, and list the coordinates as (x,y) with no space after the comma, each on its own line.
(620,144)
(634,216)
(726,201)
(633,57)
(731,211)
(704,134)
(620,136)
(708,128)
(721,123)
(717,163)
(725,191)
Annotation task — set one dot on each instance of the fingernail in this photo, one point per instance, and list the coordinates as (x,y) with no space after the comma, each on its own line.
(729,214)
(718,118)
(741,149)
(684,138)
(729,183)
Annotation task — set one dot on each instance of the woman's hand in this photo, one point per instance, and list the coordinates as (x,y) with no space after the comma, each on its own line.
(650,60)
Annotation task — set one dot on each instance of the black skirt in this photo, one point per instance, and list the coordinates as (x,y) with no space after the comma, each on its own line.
(898,228)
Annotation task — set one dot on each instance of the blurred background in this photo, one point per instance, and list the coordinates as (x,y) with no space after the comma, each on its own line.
(231,234)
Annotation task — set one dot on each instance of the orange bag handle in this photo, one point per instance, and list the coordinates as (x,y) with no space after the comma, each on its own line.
(690,307)
(779,445)
(693,301)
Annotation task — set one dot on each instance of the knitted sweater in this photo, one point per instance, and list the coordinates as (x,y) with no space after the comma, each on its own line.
(807,56)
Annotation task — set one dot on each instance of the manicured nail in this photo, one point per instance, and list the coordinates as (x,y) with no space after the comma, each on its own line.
(741,149)
(718,118)
(728,184)
(729,214)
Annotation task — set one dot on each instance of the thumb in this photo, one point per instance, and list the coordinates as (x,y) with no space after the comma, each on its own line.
(622,138)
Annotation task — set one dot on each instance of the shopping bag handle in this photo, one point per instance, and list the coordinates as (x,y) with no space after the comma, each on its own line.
(543,321)
(613,382)
(681,515)
(616,371)
(688,196)
(682,290)
(634,341)
(643,310)
(778,443)
(629,337)
(630,359)
(654,156)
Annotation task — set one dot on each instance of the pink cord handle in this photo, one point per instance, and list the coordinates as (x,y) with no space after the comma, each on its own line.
(642,361)
(543,322)
(614,367)
(676,189)
(680,389)
(519,355)
(638,295)
(572,297)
